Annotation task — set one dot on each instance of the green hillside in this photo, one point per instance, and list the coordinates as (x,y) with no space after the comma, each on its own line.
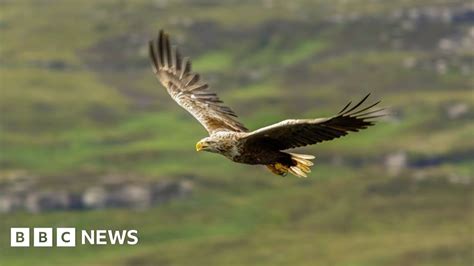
(79,102)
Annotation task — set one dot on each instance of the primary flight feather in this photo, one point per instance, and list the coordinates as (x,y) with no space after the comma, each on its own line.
(229,137)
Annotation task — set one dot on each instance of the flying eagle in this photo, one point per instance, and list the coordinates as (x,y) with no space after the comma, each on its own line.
(229,137)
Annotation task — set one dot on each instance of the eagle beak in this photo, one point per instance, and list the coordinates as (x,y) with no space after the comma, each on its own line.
(200,146)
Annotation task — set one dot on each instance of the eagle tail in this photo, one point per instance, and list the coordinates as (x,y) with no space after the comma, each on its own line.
(300,168)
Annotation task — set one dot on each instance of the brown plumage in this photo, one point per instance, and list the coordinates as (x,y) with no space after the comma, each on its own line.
(229,137)
(187,88)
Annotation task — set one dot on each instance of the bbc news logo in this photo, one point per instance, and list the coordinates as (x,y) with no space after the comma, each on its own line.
(66,237)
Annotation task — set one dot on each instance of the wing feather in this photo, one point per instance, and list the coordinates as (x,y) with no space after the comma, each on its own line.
(188,89)
(294,133)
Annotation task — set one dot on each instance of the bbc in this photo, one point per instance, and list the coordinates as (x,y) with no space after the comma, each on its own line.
(42,237)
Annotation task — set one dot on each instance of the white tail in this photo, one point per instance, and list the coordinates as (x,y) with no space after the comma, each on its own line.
(302,166)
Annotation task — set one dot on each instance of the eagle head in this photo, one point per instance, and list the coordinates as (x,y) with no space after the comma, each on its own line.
(207,144)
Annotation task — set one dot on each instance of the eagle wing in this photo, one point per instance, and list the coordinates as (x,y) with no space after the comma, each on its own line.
(188,90)
(294,133)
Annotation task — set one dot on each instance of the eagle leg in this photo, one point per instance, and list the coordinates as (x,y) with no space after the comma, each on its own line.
(300,165)
(278,169)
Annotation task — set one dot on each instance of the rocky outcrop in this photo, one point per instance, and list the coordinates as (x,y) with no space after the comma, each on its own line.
(396,162)
(134,195)
(37,202)
(117,195)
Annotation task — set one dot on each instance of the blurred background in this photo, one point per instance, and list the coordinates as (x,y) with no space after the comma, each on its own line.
(89,139)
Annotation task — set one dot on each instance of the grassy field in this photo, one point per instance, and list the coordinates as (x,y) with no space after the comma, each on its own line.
(78,102)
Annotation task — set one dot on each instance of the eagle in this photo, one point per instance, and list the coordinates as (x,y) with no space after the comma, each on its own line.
(230,138)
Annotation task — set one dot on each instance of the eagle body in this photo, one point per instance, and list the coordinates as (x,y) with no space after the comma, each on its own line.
(230,138)
(236,147)
(241,148)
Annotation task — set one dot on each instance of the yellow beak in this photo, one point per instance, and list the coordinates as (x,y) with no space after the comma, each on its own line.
(200,146)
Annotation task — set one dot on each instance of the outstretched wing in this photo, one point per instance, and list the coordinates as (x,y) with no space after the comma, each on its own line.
(294,133)
(188,90)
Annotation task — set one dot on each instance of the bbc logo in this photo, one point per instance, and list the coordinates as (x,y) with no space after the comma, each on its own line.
(42,237)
